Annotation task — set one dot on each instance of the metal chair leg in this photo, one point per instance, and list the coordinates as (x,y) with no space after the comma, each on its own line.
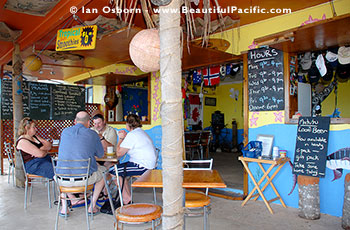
(25,194)
(154,195)
(205,217)
(31,192)
(48,193)
(13,175)
(86,211)
(58,211)
(153,225)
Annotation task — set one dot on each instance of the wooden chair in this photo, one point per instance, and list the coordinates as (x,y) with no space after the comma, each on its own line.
(192,146)
(32,179)
(205,138)
(65,170)
(11,161)
(198,203)
(136,213)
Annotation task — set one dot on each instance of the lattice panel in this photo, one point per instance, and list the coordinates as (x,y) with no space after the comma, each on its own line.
(47,129)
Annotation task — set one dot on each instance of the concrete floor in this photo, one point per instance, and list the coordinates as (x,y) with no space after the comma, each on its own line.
(225,214)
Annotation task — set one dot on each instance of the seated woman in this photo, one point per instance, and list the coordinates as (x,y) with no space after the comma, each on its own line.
(141,150)
(34,149)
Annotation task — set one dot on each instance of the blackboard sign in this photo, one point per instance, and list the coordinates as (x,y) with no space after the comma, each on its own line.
(43,101)
(67,101)
(265,79)
(311,146)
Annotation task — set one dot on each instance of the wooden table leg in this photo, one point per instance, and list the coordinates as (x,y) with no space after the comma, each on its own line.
(269,181)
(257,187)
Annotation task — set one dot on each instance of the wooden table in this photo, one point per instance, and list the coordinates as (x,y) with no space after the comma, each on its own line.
(273,163)
(109,158)
(192,179)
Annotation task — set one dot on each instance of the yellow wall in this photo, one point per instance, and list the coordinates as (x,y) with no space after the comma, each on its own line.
(343,98)
(230,107)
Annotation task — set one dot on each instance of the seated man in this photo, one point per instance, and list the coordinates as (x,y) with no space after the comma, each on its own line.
(80,142)
(141,150)
(108,135)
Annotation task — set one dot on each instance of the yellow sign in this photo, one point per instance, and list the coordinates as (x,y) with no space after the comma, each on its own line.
(78,38)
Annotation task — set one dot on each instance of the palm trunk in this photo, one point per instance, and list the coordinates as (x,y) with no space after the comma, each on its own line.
(309,197)
(171,115)
(17,108)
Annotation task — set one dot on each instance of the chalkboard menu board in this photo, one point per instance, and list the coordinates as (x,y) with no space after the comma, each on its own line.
(311,146)
(43,101)
(265,79)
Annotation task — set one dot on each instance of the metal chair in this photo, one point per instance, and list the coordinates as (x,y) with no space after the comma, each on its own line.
(72,170)
(135,177)
(11,161)
(205,138)
(192,140)
(198,203)
(135,213)
(32,179)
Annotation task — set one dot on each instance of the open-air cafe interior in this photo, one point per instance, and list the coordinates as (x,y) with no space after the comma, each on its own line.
(237,101)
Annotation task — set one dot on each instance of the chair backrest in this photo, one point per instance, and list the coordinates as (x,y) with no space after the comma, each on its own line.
(205,137)
(66,169)
(198,165)
(159,159)
(192,137)
(22,161)
(8,151)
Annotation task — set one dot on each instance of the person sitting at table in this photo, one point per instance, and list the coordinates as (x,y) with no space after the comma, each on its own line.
(80,142)
(108,135)
(34,149)
(139,146)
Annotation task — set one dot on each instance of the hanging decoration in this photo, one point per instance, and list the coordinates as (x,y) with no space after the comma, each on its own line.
(32,63)
(144,50)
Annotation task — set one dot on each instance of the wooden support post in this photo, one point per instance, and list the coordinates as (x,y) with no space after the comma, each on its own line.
(345,223)
(17,108)
(309,197)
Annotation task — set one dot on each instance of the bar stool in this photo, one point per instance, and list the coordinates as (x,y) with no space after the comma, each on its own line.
(136,213)
(198,203)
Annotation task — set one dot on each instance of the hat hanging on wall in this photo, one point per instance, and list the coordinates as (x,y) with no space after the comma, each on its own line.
(321,65)
(313,74)
(327,78)
(344,55)
(332,58)
(343,72)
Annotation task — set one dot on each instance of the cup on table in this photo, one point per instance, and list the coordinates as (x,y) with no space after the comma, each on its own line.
(110,150)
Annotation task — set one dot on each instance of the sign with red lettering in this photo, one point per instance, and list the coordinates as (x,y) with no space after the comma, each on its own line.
(311,146)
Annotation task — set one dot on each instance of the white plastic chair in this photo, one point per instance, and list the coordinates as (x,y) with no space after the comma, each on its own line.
(197,203)
(11,161)
(65,170)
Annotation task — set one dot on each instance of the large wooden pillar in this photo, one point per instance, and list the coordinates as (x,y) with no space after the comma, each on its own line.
(17,102)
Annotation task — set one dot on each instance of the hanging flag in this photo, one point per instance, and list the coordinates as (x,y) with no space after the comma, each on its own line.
(197,76)
(211,76)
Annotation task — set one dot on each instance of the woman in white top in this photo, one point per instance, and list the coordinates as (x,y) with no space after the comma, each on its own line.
(139,146)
